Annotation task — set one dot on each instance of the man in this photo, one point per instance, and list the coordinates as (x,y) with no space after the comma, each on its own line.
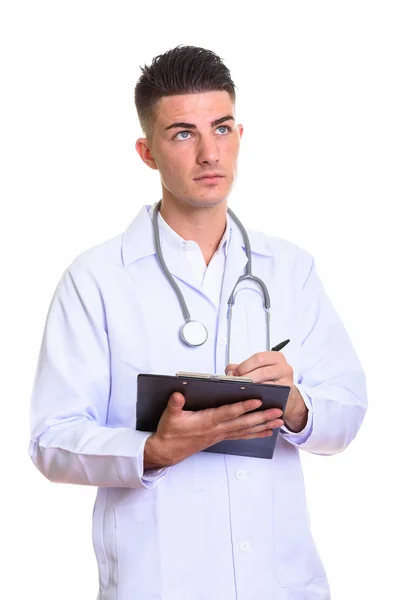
(170,521)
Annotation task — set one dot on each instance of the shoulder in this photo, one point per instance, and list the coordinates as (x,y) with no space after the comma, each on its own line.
(289,260)
(100,257)
(279,249)
(95,267)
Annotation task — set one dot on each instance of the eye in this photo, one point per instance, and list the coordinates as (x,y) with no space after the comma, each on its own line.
(226,129)
(184,135)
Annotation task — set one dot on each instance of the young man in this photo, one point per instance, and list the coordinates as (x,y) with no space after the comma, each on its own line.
(170,521)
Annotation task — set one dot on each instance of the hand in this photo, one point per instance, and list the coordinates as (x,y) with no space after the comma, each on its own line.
(181,433)
(271,367)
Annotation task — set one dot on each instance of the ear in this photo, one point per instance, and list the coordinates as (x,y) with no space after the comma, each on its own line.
(143,149)
(240,128)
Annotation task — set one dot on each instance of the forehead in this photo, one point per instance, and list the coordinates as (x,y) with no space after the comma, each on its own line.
(193,108)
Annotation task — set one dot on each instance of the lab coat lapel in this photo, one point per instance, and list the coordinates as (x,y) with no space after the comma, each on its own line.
(179,265)
(138,243)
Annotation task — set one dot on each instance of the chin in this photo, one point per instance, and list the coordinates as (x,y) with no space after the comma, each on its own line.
(209,198)
(199,197)
(206,202)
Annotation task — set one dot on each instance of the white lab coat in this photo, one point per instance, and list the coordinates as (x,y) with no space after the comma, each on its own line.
(214,527)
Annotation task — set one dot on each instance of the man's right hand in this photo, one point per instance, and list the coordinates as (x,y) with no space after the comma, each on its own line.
(181,433)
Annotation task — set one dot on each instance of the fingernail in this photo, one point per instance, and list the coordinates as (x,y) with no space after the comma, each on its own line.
(229,373)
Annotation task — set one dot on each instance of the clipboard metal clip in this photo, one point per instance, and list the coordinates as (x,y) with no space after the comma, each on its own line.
(211,377)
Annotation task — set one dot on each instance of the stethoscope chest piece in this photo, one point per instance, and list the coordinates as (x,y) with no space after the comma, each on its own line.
(194,333)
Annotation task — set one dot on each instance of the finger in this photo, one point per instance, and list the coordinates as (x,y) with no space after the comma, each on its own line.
(274,424)
(258,418)
(264,374)
(232,411)
(250,436)
(261,359)
(252,431)
(176,403)
(230,369)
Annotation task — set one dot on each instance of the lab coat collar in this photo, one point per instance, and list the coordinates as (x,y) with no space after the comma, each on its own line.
(177,242)
(138,239)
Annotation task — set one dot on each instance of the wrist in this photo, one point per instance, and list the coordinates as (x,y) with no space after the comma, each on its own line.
(154,457)
(296,415)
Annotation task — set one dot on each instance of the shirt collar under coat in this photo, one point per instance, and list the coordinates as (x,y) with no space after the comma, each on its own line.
(138,239)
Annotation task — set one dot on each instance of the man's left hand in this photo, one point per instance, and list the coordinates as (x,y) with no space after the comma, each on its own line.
(271,367)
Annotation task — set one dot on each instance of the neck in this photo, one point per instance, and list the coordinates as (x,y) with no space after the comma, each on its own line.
(203,225)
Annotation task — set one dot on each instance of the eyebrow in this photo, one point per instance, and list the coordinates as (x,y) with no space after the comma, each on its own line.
(192,126)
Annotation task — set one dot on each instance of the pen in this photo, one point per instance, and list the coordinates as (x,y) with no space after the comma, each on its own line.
(279,346)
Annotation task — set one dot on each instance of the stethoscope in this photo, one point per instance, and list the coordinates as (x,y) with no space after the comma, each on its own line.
(193,333)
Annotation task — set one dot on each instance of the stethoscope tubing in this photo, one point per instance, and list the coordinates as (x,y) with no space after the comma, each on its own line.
(231,301)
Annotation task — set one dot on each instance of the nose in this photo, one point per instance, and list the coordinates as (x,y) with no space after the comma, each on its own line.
(207,151)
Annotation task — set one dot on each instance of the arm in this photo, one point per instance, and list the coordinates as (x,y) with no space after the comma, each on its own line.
(296,414)
(71,442)
(330,378)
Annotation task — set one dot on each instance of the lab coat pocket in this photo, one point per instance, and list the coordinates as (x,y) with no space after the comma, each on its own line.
(98,543)
(158,546)
(296,558)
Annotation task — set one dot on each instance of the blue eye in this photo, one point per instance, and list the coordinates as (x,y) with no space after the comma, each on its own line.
(225,127)
(185,134)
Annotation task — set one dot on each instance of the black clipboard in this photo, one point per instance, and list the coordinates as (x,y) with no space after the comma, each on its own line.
(209,391)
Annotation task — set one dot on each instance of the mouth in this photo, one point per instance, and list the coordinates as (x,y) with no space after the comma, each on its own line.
(210,178)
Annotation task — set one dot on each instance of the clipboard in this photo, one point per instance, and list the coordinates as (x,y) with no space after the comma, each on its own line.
(209,391)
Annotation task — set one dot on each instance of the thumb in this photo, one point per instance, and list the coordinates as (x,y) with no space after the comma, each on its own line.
(231,369)
(176,402)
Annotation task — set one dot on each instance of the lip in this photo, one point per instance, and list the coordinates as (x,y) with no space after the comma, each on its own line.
(209,177)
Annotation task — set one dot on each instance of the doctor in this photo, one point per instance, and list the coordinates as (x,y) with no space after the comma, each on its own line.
(171,522)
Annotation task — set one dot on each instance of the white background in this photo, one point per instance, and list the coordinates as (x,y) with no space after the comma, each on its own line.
(318,93)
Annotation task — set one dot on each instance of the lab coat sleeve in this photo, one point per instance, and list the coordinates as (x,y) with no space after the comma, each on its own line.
(70,439)
(330,377)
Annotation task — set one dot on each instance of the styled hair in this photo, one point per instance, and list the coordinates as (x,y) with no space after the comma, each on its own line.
(181,70)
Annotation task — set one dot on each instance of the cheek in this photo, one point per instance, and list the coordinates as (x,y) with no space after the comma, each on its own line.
(235,154)
(176,168)
(229,155)
(172,174)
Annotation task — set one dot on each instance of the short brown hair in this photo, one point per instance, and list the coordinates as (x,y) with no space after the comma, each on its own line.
(182,70)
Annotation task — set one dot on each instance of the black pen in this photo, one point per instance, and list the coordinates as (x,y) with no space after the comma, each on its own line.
(279,346)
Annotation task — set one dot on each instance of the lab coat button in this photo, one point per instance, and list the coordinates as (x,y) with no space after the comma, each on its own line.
(245,546)
(222,340)
(241,475)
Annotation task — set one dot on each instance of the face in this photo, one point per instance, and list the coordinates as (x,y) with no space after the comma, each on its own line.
(195,147)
